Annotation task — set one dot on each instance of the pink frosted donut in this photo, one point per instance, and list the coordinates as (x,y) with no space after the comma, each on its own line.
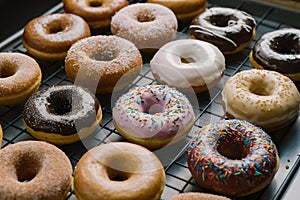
(147,25)
(153,115)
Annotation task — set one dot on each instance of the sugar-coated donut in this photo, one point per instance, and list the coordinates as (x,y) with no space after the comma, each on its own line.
(97,13)
(34,170)
(20,77)
(232,157)
(49,37)
(62,114)
(147,25)
(265,98)
(231,30)
(103,63)
(279,51)
(119,170)
(153,115)
(185,10)
(198,196)
(187,64)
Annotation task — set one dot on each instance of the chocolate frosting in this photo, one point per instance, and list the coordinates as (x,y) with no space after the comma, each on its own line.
(62,109)
(224,27)
(279,51)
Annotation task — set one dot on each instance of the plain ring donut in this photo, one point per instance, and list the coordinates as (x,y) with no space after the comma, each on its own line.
(62,114)
(20,77)
(232,157)
(103,63)
(34,170)
(279,51)
(147,25)
(119,170)
(265,98)
(187,64)
(49,37)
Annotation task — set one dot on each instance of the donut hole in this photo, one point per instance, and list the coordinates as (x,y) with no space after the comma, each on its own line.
(222,20)
(233,144)
(104,56)
(116,175)
(62,102)
(7,71)
(261,88)
(27,167)
(56,26)
(95,3)
(152,106)
(286,44)
(187,60)
(145,17)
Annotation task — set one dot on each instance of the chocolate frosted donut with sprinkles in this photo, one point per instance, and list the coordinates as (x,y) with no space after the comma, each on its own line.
(232,157)
(231,30)
(153,115)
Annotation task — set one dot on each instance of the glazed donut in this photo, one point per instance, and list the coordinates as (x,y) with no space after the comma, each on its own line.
(103,63)
(153,116)
(231,30)
(232,157)
(20,77)
(187,64)
(97,13)
(49,37)
(62,114)
(119,170)
(198,196)
(265,98)
(184,10)
(149,26)
(279,51)
(34,170)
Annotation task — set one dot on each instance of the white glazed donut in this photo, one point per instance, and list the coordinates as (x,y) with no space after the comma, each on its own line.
(265,98)
(188,63)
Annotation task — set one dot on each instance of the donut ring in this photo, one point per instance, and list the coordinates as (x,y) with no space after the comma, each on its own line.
(49,37)
(62,114)
(187,64)
(279,51)
(149,26)
(20,77)
(184,10)
(97,13)
(198,196)
(119,170)
(153,116)
(231,30)
(110,62)
(265,98)
(232,157)
(34,170)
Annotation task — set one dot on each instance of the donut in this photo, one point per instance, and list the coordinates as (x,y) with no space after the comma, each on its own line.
(103,63)
(278,51)
(149,26)
(153,115)
(119,170)
(184,10)
(34,170)
(20,77)
(264,98)
(198,196)
(232,157)
(231,30)
(62,114)
(187,64)
(49,37)
(97,13)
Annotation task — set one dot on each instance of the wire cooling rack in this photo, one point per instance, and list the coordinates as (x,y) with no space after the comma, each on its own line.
(208,108)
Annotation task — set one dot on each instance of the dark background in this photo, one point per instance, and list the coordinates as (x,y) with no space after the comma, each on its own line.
(15,14)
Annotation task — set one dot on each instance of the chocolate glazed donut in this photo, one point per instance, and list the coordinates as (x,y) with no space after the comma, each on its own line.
(229,29)
(278,51)
(58,113)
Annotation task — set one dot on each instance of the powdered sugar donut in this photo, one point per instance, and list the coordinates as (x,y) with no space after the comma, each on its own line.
(147,25)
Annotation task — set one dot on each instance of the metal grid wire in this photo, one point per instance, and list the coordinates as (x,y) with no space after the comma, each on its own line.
(208,109)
